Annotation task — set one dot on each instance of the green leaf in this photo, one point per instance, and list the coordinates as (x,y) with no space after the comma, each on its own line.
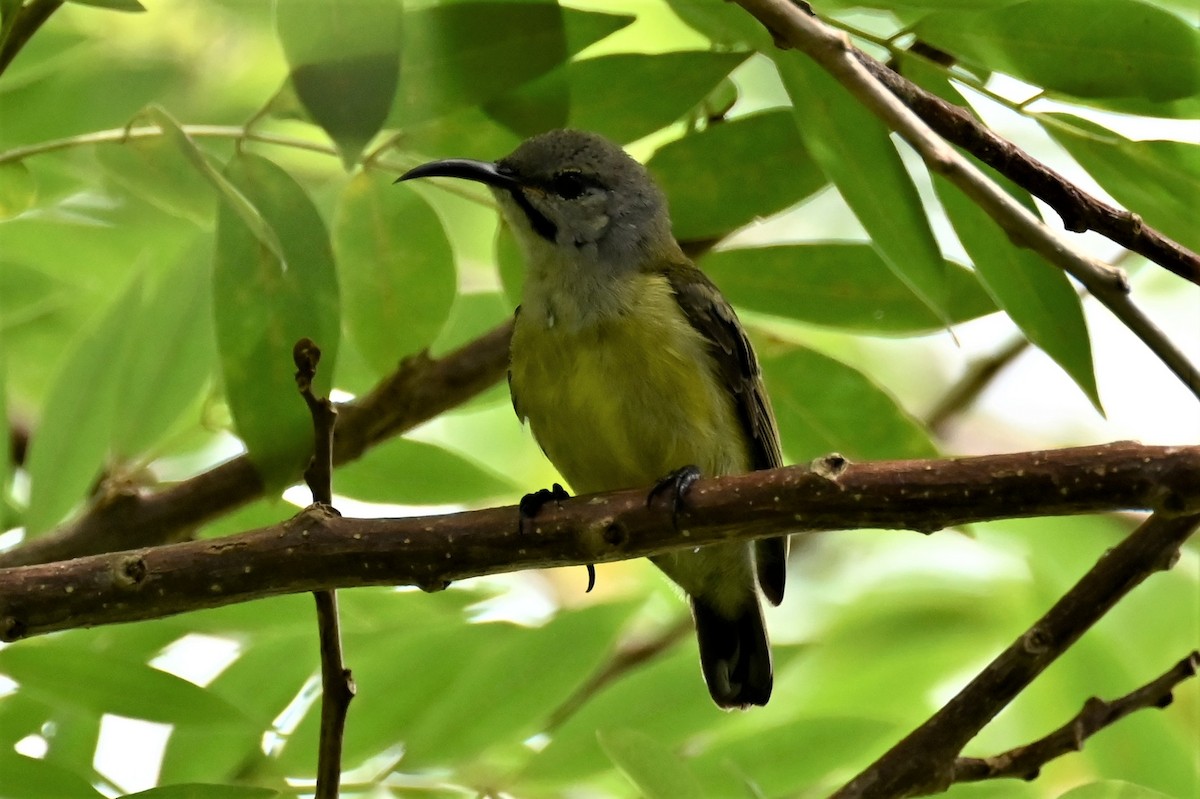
(1112,789)
(396,269)
(1082,48)
(407,472)
(344,57)
(628,95)
(1157,180)
(154,169)
(656,771)
(68,450)
(263,306)
(733,172)
(841,285)
(103,684)
(1037,296)
(823,406)
(198,790)
(115,5)
(30,778)
(855,151)
(18,190)
(233,199)
(159,383)
(468,53)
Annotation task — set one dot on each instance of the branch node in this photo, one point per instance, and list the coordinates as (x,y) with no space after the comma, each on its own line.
(11,629)
(830,467)
(129,571)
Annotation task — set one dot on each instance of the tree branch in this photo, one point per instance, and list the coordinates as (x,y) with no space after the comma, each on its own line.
(1078,210)
(924,761)
(337,684)
(127,518)
(834,53)
(316,551)
(1024,762)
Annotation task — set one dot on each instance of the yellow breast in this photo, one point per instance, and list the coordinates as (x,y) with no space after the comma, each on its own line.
(622,401)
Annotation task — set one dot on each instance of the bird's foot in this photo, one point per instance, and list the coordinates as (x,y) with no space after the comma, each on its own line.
(531,504)
(676,484)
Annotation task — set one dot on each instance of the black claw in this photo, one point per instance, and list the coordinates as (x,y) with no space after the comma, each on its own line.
(591,578)
(678,483)
(531,504)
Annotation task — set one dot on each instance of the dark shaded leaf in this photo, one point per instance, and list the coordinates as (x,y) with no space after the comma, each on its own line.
(198,790)
(263,306)
(30,778)
(628,95)
(847,286)
(396,270)
(468,53)
(344,57)
(734,172)
(115,5)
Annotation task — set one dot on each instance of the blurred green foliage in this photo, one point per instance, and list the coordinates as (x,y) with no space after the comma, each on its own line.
(152,283)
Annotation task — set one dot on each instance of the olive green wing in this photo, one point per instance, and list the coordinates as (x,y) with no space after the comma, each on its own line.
(712,316)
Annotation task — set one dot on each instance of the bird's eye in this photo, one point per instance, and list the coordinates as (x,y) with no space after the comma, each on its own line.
(569,185)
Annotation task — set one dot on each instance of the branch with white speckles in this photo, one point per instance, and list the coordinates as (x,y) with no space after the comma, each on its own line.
(318,550)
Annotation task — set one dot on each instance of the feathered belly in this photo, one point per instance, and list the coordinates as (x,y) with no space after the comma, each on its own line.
(617,407)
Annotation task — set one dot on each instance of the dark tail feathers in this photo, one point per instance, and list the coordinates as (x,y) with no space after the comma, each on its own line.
(734,655)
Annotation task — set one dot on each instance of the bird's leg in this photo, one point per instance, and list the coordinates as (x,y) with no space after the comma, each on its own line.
(531,504)
(676,484)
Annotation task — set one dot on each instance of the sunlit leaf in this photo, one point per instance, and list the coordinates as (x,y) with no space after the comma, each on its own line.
(855,151)
(68,450)
(160,382)
(733,172)
(406,472)
(657,772)
(18,190)
(1157,180)
(264,305)
(198,790)
(155,170)
(1084,48)
(344,57)
(396,270)
(841,285)
(1112,789)
(825,406)
(30,778)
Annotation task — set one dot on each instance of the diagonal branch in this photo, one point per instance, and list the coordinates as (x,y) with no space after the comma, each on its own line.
(318,551)
(1024,762)
(1078,210)
(925,761)
(834,53)
(125,518)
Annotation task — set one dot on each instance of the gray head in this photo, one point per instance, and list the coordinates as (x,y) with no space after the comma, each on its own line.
(572,190)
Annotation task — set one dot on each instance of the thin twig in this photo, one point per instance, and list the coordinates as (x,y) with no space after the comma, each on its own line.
(337,684)
(978,377)
(1024,762)
(924,761)
(833,52)
(320,551)
(128,518)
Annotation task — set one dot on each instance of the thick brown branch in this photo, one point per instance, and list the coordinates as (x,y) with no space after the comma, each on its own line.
(1078,210)
(420,389)
(924,761)
(318,551)
(1024,762)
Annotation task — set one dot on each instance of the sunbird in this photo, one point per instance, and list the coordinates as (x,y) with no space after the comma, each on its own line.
(628,365)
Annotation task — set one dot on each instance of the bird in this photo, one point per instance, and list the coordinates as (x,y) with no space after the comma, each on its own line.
(631,369)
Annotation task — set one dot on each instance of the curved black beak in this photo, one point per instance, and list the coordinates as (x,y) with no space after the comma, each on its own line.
(479,171)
